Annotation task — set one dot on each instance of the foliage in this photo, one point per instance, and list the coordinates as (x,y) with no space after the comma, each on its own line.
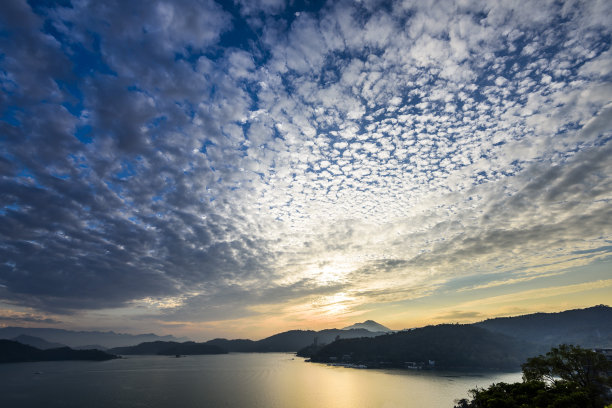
(310,350)
(566,377)
(531,394)
(590,327)
(568,363)
(449,345)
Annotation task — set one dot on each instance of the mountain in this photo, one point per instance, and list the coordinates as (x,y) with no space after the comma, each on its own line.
(292,340)
(369,325)
(36,342)
(289,341)
(146,348)
(590,327)
(169,348)
(449,345)
(191,348)
(90,347)
(236,345)
(78,338)
(15,352)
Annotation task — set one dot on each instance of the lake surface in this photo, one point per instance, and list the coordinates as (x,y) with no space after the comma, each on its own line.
(233,380)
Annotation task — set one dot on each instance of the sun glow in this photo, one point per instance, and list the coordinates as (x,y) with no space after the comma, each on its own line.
(330,272)
(336,304)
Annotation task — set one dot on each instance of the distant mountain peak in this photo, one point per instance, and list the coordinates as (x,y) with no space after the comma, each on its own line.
(37,342)
(78,338)
(369,325)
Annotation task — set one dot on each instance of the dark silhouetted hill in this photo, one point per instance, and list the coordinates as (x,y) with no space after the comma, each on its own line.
(449,345)
(370,325)
(15,352)
(236,345)
(291,341)
(90,347)
(78,338)
(169,348)
(37,342)
(191,348)
(146,348)
(590,327)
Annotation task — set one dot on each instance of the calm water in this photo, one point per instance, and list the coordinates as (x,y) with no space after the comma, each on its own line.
(232,380)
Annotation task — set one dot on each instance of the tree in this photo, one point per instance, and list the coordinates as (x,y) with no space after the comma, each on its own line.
(531,394)
(571,364)
(567,363)
(566,377)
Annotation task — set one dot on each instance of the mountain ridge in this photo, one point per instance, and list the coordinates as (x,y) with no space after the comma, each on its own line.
(289,341)
(294,340)
(449,346)
(72,338)
(588,327)
(169,348)
(37,342)
(369,325)
(16,352)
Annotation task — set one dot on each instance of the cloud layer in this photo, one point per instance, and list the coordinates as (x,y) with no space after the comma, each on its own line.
(192,162)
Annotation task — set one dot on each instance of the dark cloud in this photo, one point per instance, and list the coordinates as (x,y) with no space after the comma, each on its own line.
(66,249)
(142,157)
(34,63)
(98,224)
(27,318)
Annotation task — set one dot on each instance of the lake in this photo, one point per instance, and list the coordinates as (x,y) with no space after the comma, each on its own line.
(236,380)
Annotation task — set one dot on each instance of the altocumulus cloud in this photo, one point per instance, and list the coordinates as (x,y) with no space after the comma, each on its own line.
(217,160)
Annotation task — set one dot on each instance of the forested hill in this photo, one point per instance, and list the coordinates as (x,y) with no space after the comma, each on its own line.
(289,341)
(292,340)
(449,345)
(169,348)
(77,339)
(591,327)
(15,352)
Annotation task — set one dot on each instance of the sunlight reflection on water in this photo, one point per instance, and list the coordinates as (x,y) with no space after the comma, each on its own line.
(235,380)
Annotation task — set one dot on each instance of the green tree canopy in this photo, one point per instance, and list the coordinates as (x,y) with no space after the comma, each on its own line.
(566,377)
(584,367)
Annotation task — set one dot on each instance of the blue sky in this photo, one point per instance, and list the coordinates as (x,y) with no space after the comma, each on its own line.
(240,168)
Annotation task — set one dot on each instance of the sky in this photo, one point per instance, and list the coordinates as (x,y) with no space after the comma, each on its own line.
(240,168)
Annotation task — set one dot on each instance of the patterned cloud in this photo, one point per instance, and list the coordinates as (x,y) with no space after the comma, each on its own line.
(199,162)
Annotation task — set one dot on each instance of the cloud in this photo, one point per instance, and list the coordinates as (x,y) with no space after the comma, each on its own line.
(539,293)
(261,6)
(459,315)
(26,318)
(204,162)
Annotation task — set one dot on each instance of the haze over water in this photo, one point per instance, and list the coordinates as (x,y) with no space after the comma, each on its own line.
(235,380)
